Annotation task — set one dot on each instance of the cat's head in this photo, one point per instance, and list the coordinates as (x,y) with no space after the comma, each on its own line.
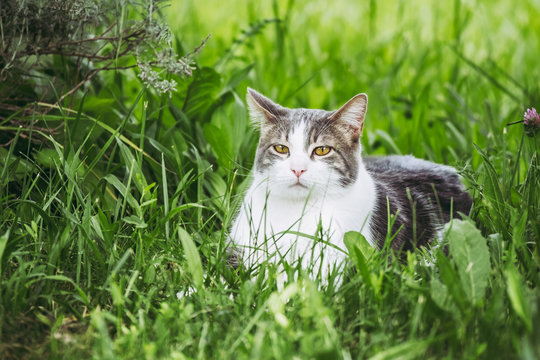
(305,152)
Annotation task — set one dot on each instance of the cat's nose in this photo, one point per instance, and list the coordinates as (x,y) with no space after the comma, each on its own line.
(298,172)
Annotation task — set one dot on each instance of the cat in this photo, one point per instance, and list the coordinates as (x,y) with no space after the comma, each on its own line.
(311,185)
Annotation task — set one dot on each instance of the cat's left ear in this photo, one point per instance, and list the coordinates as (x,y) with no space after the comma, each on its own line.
(262,109)
(352,114)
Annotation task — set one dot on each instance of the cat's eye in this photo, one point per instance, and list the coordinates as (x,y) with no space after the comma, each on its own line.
(282,149)
(322,150)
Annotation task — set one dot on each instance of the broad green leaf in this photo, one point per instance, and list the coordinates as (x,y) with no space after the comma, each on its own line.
(471,255)
(221,142)
(192,258)
(355,241)
(202,92)
(519,221)
(451,280)
(440,295)
(226,131)
(517,295)
(217,186)
(135,220)
(365,247)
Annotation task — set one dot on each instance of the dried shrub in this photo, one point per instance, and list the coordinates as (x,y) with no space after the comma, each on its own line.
(49,49)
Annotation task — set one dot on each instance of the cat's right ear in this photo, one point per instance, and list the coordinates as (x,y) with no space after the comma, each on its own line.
(261,108)
(352,115)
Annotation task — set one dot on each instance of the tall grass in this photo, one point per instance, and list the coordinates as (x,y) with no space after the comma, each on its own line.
(113,232)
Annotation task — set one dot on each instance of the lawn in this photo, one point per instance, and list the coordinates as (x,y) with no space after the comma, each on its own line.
(115,202)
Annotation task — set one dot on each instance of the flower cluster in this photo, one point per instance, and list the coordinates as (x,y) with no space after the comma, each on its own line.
(531,117)
(168,63)
(531,121)
(150,77)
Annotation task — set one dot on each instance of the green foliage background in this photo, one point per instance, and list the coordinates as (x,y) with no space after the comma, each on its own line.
(115,203)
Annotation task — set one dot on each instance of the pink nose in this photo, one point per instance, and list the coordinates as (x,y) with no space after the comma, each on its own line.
(298,172)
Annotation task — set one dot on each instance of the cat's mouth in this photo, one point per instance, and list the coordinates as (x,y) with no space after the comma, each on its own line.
(298,185)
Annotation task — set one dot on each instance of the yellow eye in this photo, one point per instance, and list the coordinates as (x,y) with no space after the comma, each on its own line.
(282,149)
(322,150)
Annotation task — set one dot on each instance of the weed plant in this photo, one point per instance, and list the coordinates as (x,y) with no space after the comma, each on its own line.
(113,227)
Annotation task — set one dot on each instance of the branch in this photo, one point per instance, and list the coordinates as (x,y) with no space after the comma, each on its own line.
(89,77)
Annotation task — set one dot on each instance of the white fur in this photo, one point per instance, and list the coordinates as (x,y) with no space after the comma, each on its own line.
(275,211)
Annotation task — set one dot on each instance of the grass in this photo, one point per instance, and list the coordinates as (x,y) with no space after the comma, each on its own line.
(113,231)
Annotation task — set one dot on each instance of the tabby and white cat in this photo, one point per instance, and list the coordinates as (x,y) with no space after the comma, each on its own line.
(311,185)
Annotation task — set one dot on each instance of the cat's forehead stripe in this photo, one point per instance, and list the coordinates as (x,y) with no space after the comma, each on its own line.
(297,134)
(309,123)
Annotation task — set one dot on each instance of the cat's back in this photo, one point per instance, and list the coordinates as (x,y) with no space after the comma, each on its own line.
(400,172)
(419,189)
(406,165)
(410,171)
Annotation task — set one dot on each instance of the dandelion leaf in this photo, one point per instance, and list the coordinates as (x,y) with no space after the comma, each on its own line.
(470,253)
(441,296)
(193,258)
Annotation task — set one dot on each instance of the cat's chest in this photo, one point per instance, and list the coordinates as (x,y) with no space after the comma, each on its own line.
(326,218)
(269,222)
(305,217)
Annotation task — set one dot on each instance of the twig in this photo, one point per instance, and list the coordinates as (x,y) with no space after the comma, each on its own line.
(90,76)
(198,48)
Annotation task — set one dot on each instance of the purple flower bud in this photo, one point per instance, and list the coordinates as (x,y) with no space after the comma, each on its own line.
(531,118)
